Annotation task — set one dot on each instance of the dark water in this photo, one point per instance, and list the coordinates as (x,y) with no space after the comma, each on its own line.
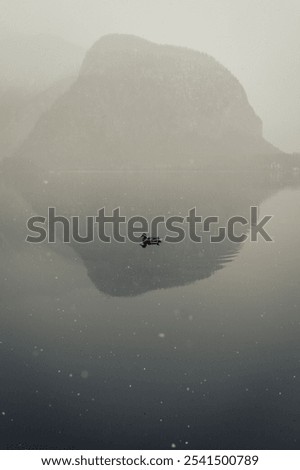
(119,347)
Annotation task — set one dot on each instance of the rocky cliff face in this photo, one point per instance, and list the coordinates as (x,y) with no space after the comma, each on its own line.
(138,104)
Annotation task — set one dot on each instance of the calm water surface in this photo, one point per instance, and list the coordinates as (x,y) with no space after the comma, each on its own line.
(119,347)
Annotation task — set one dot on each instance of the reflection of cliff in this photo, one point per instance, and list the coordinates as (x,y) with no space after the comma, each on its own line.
(120,270)
(126,269)
(141,105)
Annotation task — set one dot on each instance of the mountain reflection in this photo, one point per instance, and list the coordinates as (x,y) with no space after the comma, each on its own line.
(125,269)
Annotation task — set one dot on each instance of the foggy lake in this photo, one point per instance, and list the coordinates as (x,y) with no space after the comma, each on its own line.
(184,345)
(158,111)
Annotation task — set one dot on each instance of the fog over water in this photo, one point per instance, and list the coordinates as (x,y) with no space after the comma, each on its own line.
(188,345)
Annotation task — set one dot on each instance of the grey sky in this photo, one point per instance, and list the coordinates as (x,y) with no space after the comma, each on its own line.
(258,40)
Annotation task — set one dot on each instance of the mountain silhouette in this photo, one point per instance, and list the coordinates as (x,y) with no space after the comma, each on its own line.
(137,104)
